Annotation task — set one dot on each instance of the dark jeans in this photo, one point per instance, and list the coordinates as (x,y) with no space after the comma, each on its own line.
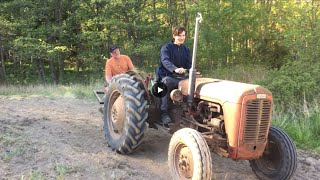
(171,84)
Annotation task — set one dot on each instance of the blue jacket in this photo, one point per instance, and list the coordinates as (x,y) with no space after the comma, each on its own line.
(173,56)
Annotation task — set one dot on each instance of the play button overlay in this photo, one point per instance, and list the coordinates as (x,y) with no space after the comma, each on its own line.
(159,89)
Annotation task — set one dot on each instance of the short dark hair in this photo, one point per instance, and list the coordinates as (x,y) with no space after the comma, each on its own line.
(177,30)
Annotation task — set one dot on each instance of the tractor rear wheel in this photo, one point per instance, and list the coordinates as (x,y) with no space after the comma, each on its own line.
(279,160)
(189,156)
(124,114)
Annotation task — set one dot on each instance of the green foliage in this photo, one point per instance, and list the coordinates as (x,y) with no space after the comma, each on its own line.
(240,73)
(35,175)
(303,126)
(294,84)
(146,56)
(9,154)
(72,90)
(7,139)
(61,170)
(30,47)
(45,39)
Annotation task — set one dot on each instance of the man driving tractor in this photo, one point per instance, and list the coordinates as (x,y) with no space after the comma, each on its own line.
(174,59)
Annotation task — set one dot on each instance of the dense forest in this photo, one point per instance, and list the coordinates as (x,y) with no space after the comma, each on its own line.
(65,41)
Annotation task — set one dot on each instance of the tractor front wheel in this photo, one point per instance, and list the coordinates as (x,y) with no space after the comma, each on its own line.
(189,156)
(279,160)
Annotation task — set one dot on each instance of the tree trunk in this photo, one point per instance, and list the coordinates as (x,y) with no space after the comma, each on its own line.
(51,38)
(39,68)
(154,11)
(3,77)
(57,13)
(80,70)
(171,9)
(185,24)
(61,69)
(52,72)
(129,27)
(314,31)
(58,22)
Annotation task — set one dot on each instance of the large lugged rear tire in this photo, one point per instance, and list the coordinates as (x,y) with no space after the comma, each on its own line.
(279,160)
(189,156)
(124,114)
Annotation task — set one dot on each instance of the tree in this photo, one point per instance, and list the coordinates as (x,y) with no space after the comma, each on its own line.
(67,37)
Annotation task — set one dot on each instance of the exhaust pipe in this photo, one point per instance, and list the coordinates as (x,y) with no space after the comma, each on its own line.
(193,71)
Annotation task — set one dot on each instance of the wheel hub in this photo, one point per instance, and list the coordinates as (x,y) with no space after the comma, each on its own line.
(185,162)
(117,115)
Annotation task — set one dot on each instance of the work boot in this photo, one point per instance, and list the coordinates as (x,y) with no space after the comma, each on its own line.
(165,118)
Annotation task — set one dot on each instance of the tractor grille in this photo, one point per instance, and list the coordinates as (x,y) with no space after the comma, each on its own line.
(256,122)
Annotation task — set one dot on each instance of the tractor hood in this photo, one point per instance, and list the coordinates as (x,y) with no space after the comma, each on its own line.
(221,91)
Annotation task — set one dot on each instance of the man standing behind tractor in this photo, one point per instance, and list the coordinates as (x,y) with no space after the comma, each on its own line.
(117,64)
(174,59)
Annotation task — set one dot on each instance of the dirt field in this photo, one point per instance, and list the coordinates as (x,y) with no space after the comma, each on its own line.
(62,138)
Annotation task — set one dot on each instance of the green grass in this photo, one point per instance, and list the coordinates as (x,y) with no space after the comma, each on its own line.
(34,175)
(61,170)
(76,90)
(8,142)
(7,139)
(240,73)
(9,154)
(303,127)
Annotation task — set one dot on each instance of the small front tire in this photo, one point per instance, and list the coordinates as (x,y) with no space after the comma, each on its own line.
(189,156)
(279,160)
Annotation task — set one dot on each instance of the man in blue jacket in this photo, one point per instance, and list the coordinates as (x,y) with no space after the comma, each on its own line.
(174,59)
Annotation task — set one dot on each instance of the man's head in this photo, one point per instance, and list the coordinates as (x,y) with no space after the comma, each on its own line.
(178,35)
(114,51)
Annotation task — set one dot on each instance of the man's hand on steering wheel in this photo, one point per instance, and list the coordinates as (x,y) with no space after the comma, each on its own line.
(180,70)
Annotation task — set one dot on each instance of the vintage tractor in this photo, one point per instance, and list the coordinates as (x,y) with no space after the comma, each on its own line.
(228,118)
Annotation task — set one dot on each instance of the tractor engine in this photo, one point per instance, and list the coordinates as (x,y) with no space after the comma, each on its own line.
(238,112)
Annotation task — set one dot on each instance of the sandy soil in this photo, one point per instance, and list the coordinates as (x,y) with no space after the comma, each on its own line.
(62,138)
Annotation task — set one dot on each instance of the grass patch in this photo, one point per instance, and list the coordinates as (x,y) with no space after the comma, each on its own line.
(61,170)
(9,154)
(34,175)
(9,134)
(239,73)
(76,90)
(8,139)
(303,127)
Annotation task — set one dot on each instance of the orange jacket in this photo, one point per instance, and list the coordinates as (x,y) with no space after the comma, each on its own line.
(117,66)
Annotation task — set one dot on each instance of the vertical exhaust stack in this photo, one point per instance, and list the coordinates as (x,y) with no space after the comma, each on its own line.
(193,71)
